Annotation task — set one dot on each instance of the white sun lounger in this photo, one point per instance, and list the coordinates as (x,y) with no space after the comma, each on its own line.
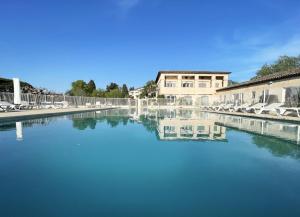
(47,105)
(227,107)
(255,107)
(25,105)
(241,108)
(89,105)
(282,110)
(218,107)
(6,106)
(62,104)
(98,104)
(268,108)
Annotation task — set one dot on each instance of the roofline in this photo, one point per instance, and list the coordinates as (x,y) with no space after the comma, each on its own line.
(138,88)
(189,72)
(249,83)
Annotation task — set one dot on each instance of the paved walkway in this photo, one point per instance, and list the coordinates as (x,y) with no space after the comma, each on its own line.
(260,116)
(17,115)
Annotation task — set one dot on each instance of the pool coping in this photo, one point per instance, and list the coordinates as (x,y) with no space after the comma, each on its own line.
(31,114)
(289,119)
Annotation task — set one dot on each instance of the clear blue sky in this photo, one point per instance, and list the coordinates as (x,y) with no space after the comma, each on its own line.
(50,43)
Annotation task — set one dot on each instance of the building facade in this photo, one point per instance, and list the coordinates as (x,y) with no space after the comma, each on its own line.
(283,87)
(135,94)
(190,86)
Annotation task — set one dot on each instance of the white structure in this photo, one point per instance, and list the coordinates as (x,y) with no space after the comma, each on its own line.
(17,91)
(190,86)
(136,92)
(19,131)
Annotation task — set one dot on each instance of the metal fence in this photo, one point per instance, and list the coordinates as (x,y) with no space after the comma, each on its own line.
(70,101)
(41,101)
(180,102)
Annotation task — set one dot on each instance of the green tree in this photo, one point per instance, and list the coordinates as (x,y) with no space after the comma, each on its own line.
(283,63)
(149,90)
(78,88)
(90,87)
(112,86)
(125,92)
(231,82)
(115,93)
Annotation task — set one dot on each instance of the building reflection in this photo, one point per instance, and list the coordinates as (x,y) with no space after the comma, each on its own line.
(176,128)
(281,130)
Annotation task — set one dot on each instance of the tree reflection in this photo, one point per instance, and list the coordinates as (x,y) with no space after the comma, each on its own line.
(112,121)
(84,123)
(149,124)
(276,146)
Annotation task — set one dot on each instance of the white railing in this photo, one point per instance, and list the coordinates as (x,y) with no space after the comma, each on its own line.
(75,101)
(40,101)
(71,101)
(179,102)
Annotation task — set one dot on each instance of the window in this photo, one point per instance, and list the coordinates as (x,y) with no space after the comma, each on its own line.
(217,85)
(171,99)
(188,77)
(202,84)
(205,78)
(187,84)
(170,84)
(292,96)
(169,129)
(186,130)
(201,128)
(253,95)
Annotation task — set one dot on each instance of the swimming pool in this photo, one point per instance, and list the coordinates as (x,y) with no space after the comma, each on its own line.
(155,163)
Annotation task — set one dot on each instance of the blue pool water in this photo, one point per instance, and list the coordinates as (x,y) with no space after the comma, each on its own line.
(161,163)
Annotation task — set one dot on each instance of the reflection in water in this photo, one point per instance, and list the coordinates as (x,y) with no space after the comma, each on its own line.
(189,125)
(18,126)
(19,131)
(279,138)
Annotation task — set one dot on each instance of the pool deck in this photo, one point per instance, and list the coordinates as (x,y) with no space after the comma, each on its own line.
(25,114)
(260,116)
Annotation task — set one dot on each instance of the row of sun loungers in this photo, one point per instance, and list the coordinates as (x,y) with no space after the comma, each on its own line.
(6,106)
(258,108)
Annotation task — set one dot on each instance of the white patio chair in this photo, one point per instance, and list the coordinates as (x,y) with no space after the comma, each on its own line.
(255,107)
(228,107)
(218,107)
(241,108)
(98,104)
(268,108)
(6,106)
(282,110)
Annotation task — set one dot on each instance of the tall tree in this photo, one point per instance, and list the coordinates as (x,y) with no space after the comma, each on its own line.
(78,88)
(283,63)
(231,82)
(112,86)
(90,87)
(149,90)
(115,93)
(125,92)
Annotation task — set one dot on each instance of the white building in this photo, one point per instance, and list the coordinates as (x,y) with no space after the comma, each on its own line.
(135,94)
